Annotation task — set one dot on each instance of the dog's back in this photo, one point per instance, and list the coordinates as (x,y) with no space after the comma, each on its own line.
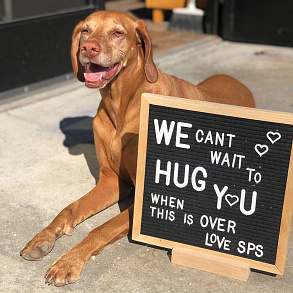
(218,88)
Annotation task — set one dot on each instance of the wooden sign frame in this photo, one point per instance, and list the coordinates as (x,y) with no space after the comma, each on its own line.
(197,257)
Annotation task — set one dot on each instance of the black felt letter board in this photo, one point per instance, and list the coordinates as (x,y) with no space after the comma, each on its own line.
(215,182)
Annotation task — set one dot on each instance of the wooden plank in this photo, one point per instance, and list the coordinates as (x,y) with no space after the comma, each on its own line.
(158,15)
(141,160)
(211,263)
(220,109)
(171,244)
(165,4)
(286,220)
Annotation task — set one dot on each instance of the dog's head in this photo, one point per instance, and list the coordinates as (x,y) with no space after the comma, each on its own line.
(105,43)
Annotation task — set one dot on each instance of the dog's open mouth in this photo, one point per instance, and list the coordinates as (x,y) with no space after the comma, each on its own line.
(98,76)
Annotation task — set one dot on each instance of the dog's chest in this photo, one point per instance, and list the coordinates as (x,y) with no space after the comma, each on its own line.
(116,145)
(116,150)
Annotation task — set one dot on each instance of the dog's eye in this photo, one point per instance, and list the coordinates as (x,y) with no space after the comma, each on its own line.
(85,31)
(118,34)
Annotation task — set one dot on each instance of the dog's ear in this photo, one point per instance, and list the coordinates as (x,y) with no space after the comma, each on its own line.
(77,67)
(150,68)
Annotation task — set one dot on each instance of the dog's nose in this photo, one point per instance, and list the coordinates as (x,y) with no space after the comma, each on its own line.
(90,49)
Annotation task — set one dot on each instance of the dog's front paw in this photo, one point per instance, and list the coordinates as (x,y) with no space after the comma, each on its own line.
(39,246)
(65,270)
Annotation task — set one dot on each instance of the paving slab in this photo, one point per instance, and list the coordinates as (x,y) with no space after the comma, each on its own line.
(48,160)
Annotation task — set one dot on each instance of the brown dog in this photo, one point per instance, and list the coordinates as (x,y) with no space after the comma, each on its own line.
(112,51)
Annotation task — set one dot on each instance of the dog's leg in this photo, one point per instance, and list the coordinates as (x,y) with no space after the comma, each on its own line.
(107,192)
(67,268)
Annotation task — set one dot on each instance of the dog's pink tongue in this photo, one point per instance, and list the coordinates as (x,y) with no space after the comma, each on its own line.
(93,77)
(94,73)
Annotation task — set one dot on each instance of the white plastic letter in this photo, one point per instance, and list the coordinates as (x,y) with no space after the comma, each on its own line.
(180,135)
(186,175)
(220,195)
(164,131)
(159,172)
(253,203)
(202,183)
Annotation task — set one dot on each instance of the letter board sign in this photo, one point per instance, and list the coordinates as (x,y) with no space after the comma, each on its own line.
(215,178)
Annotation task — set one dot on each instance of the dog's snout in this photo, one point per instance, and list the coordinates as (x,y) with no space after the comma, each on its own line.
(90,49)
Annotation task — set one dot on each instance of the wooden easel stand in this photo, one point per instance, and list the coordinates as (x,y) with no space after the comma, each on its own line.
(211,263)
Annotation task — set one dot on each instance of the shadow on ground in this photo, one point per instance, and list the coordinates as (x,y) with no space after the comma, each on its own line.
(79,139)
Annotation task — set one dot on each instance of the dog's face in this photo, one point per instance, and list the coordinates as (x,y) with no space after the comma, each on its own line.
(105,43)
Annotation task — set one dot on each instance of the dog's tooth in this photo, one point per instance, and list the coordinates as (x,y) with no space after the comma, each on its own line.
(101,77)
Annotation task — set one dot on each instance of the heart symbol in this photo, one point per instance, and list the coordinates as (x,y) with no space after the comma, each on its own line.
(273,136)
(231,199)
(261,149)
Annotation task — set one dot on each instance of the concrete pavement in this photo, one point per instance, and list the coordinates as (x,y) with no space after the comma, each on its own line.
(47,161)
